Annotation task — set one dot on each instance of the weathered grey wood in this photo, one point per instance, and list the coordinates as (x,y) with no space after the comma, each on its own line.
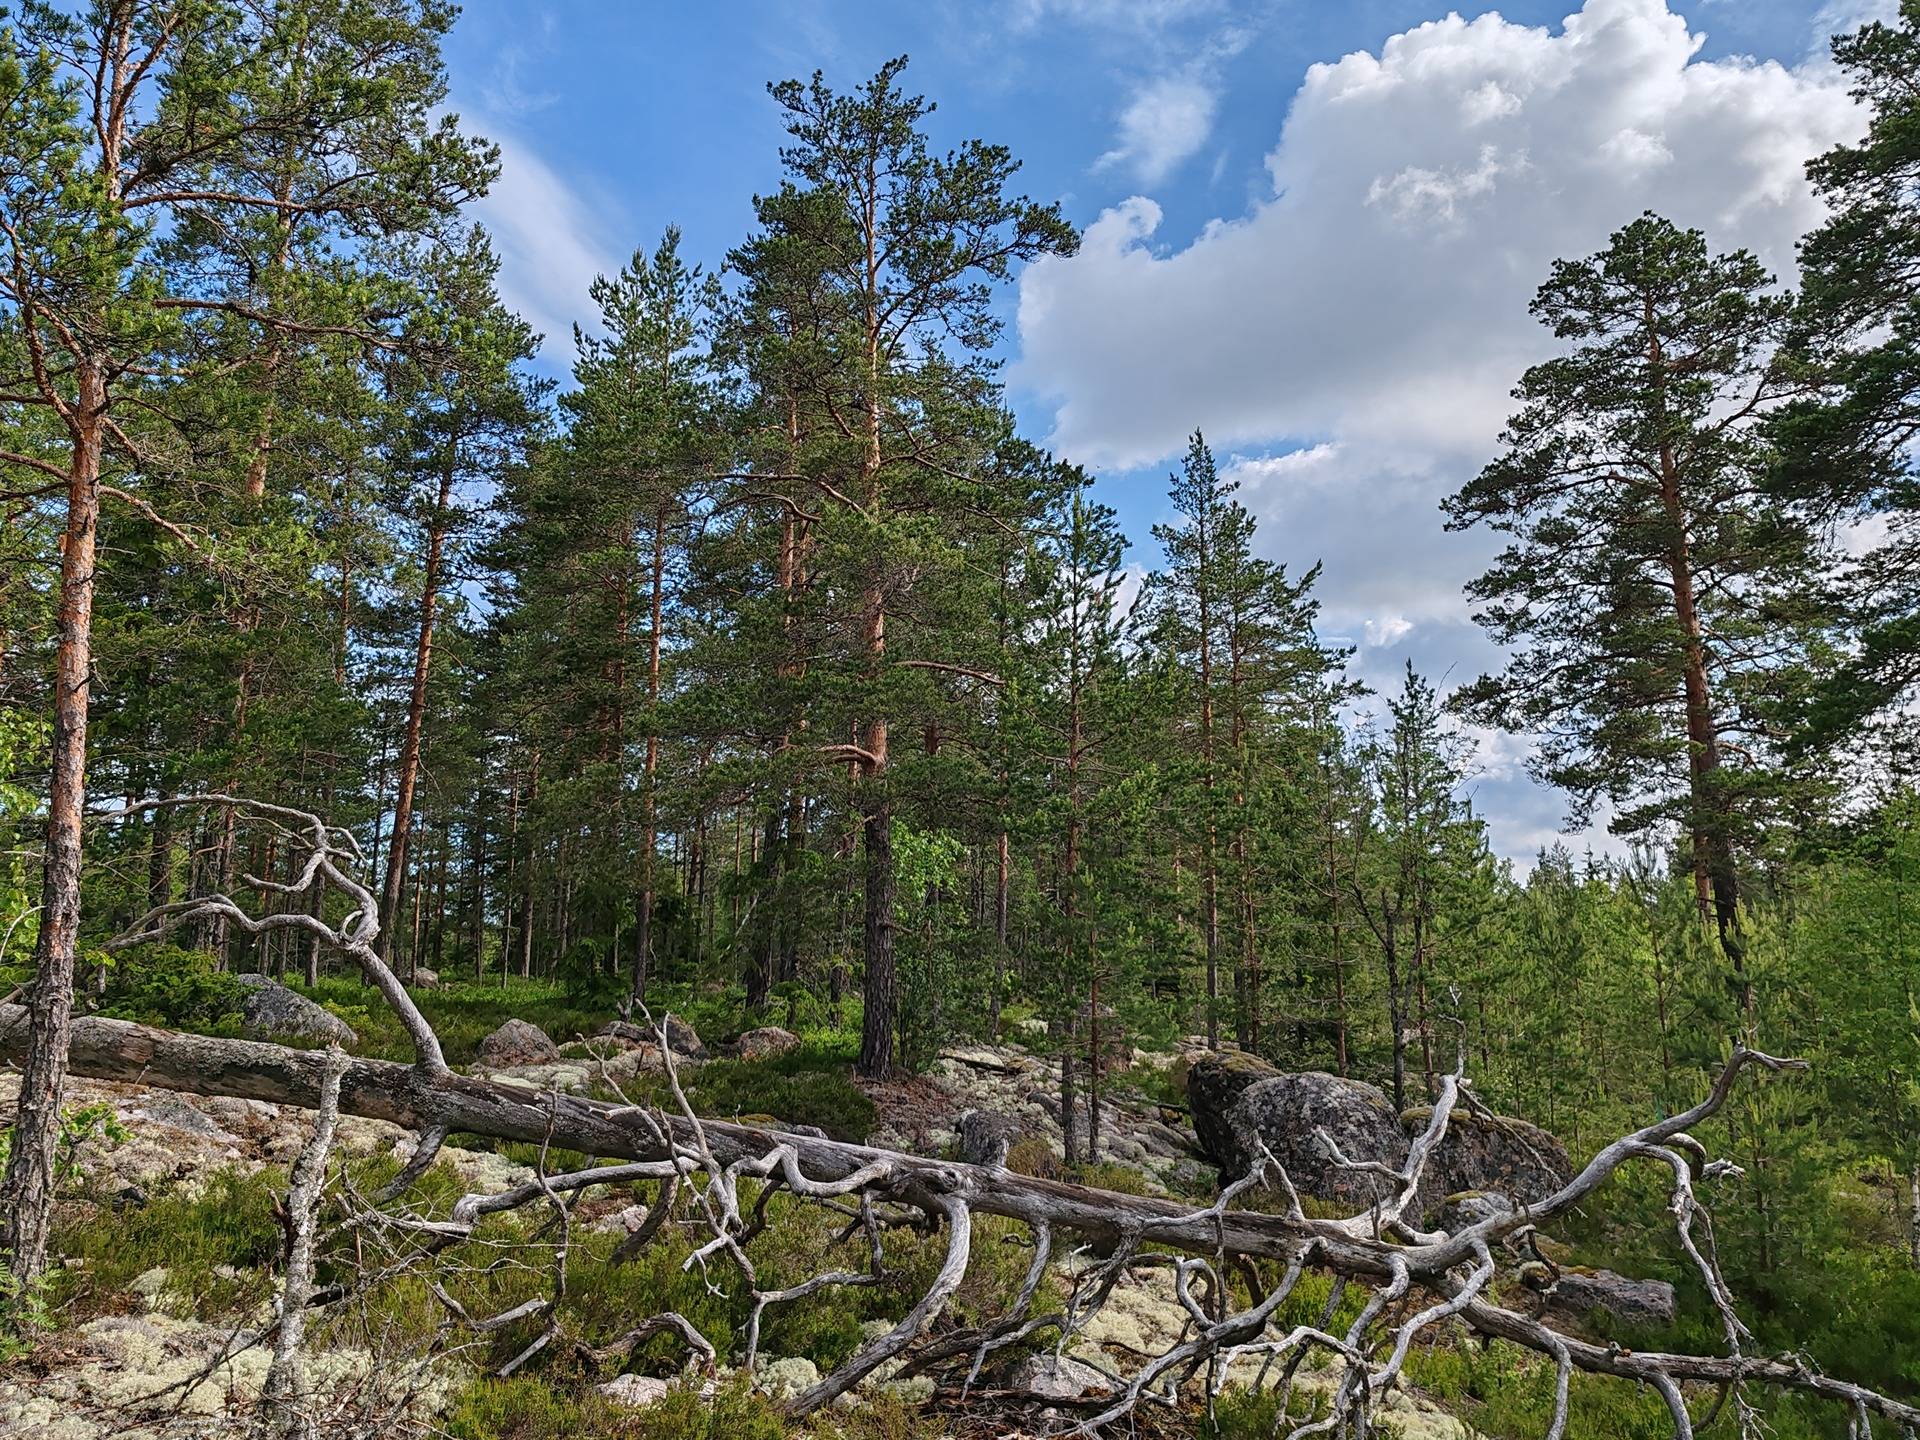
(421,1099)
(120,1050)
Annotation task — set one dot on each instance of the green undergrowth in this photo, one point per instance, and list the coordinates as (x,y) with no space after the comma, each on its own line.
(810,1085)
(219,1242)
(173,987)
(509,1261)
(1504,1392)
(534,1409)
(462,1013)
(216,1239)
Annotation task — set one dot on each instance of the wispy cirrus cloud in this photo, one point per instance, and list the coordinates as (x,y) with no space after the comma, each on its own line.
(552,243)
(1134,15)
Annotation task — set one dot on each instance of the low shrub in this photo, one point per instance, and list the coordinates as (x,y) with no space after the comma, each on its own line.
(793,1093)
(528,1408)
(1108,1175)
(1033,1156)
(167,985)
(217,1242)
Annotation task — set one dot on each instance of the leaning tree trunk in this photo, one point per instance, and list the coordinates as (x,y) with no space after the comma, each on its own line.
(26,1193)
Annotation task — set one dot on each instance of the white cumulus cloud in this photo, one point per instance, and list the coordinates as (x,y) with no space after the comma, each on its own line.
(1353,340)
(1163,125)
(1419,195)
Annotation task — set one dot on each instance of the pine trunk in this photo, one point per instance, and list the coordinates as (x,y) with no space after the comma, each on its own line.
(26,1193)
(416,704)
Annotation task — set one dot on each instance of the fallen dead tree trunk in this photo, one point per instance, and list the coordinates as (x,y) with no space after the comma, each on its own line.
(119,1050)
(1413,1281)
(385,1090)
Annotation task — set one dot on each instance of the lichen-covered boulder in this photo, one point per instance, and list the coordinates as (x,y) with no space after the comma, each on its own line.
(765,1043)
(518,1042)
(1583,1295)
(1287,1114)
(1240,1103)
(176,1112)
(1492,1154)
(1214,1080)
(271,1011)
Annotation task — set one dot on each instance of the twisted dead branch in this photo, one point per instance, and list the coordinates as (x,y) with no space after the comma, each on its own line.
(1416,1283)
(283,1397)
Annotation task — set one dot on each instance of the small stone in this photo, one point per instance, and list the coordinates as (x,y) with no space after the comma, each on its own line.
(517,1042)
(631,1218)
(149,1284)
(1057,1377)
(636,1392)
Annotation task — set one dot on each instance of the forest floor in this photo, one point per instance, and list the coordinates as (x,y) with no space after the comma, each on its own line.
(171,1237)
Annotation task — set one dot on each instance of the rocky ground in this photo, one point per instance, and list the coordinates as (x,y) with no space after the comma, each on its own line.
(161,1373)
(923,1114)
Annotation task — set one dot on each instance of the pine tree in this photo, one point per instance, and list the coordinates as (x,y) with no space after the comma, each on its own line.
(1184,607)
(1856,341)
(463,415)
(1081,705)
(907,245)
(1422,839)
(641,446)
(1642,588)
(104,302)
(1254,676)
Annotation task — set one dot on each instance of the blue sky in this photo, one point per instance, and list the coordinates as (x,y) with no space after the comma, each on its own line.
(1312,228)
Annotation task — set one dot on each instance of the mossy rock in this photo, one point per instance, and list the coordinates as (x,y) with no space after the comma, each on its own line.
(1214,1080)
